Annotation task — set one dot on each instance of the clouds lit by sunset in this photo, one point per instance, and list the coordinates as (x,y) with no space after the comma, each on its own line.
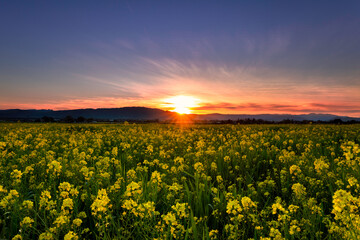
(229,57)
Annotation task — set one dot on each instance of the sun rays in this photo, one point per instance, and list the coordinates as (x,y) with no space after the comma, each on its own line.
(181,104)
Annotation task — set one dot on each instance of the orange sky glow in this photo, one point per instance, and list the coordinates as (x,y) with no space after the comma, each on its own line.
(200,105)
(207,89)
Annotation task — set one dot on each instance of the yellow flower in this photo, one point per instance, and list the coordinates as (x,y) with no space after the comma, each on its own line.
(233,207)
(179,160)
(277,206)
(150,149)
(55,167)
(77,222)
(295,169)
(299,190)
(29,169)
(213,166)
(247,203)
(114,151)
(213,234)
(67,205)
(181,209)
(170,219)
(293,208)
(71,236)
(321,165)
(131,174)
(61,220)
(65,186)
(46,236)
(10,199)
(16,175)
(164,166)
(199,168)
(155,177)
(44,198)
(26,222)
(342,200)
(14,193)
(101,203)
(28,204)
(275,234)
(133,189)
(17,237)
(131,206)
(81,215)
(352,181)
(2,189)
(175,187)
(294,227)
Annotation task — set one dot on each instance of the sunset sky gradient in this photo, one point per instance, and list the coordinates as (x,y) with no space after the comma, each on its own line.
(233,56)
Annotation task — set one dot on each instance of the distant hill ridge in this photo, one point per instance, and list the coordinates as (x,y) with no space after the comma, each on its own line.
(127,113)
(144,114)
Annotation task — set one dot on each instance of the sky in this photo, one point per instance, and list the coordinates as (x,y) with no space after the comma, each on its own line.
(253,57)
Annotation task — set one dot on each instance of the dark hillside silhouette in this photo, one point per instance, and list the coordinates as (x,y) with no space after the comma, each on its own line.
(156,115)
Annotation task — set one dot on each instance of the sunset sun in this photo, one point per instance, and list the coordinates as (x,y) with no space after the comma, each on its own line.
(181,104)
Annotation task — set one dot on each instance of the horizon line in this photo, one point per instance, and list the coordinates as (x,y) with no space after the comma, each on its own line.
(310,113)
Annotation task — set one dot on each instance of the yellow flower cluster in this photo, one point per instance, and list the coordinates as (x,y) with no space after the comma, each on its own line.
(165,181)
(347,213)
(26,222)
(71,236)
(155,177)
(54,167)
(133,189)
(101,204)
(9,200)
(299,190)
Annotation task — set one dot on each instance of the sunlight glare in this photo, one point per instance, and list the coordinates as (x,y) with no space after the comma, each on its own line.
(182,104)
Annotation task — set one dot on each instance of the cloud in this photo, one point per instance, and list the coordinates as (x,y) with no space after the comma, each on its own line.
(108,79)
(279,108)
(76,103)
(225,88)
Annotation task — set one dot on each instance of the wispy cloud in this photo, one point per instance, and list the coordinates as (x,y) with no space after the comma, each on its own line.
(76,103)
(279,108)
(108,79)
(222,87)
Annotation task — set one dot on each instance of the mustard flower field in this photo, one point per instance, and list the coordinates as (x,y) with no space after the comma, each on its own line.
(163,181)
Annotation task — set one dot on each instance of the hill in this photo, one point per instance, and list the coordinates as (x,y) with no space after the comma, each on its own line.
(150,114)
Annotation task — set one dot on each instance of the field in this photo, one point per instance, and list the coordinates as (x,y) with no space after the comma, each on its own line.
(153,181)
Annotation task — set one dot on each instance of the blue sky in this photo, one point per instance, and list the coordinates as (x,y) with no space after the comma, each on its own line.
(234,56)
